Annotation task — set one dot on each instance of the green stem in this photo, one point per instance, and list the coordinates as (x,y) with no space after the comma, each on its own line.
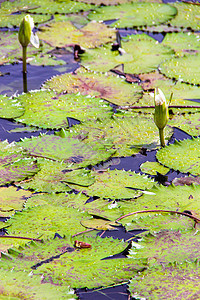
(24,58)
(162,140)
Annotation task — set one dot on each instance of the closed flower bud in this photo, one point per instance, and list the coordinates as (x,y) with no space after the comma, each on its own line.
(161,114)
(26,34)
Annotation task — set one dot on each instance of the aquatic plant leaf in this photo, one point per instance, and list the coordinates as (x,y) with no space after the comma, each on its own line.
(187,15)
(144,14)
(61,199)
(152,167)
(54,177)
(79,266)
(129,132)
(9,108)
(157,221)
(189,123)
(12,199)
(105,2)
(99,224)
(68,149)
(11,13)
(184,68)
(113,184)
(22,285)
(167,246)
(183,43)
(45,221)
(12,53)
(175,198)
(135,59)
(111,88)
(183,280)
(54,109)
(182,156)
(61,34)
(15,165)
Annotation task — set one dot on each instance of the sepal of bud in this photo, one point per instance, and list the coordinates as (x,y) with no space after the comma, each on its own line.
(26,34)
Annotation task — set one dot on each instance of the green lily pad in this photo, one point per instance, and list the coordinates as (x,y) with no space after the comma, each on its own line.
(111,88)
(15,165)
(187,15)
(55,109)
(12,52)
(182,156)
(189,123)
(20,285)
(12,13)
(167,246)
(175,198)
(184,68)
(144,14)
(135,59)
(68,149)
(54,177)
(12,199)
(156,281)
(79,266)
(151,167)
(113,184)
(99,224)
(45,221)
(184,44)
(60,34)
(61,199)
(157,221)
(129,132)
(9,108)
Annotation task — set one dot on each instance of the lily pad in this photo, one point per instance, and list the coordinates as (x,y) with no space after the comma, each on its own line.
(182,156)
(55,109)
(113,184)
(61,199)
(12,199)
(45,221)
(187,15)
(177,276)
(9,108)
(61,34)
(152,168)
(20,285)
(189,123)
(54,177)
(134,57)
(129,131)
(68,149)
(15,165)
(144,14)
(99,224)
(167,246)
(183,43)
(74,263)
(184,68)
(111,88)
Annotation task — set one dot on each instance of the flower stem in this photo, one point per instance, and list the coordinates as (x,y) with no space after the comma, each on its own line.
(162,140)
(24,58)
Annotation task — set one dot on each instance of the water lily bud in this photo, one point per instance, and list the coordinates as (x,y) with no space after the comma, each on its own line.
(161,114)
(25,30)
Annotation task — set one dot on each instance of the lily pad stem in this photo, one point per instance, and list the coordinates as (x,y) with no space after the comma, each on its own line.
(161,135)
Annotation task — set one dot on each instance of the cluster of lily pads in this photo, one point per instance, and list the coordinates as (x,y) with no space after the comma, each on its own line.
(47,182)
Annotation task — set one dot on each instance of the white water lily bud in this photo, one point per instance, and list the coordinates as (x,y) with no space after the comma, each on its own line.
(26,34)
(161,114)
